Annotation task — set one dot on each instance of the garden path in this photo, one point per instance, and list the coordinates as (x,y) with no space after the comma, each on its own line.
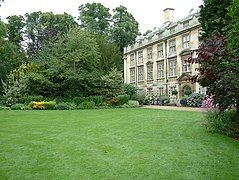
(176,108)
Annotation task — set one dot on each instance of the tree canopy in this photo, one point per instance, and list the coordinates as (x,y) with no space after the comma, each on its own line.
(95,18)
(121,27)
(218,53)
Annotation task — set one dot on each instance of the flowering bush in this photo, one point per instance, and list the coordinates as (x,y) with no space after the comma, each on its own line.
(149,99)
(207,102)
(48,105)
(195,100)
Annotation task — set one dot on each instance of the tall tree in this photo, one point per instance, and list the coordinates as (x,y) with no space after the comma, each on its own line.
(219,65)
(42,27)
(10,56)
(125,28)
(233,28)
(213,17)
(15,29)
(95,17)
(110,54)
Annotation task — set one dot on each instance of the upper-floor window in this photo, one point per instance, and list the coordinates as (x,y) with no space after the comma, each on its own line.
(160,68)
(185,24)
(172,67)
(172,29)
(132,75)
(160,34)
(140,57)
(186,41)
(186,66)
(150,53)
(140,73)
(132,61)
(160,50)
(172,46)
(150,71)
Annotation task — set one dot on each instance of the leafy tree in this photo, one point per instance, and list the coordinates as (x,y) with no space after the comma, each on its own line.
(42,27)
(10,56)
(219,65)
(110,54)
(112,83)
(233,28)
(95,17)
(125,28)
(68,67)
(14,28)
(213,17)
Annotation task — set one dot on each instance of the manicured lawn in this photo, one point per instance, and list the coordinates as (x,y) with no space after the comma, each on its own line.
(113,144)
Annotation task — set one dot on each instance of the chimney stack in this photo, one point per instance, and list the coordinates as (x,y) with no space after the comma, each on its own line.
(168,15)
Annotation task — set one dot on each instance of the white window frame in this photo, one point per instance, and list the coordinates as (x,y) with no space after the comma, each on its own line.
(160,69)
(140,73)
(172,46)
(160,50)
(186,66)
(150,53)
(150,71)
(140,57)
(132,75)
(186,41)
(172,68)
(132,60)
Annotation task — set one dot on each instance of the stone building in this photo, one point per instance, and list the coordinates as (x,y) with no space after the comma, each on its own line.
(157,63)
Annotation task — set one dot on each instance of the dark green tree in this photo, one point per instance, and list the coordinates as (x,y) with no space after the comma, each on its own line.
(213,17)
(43,27)
(95,17)
(10,56)
(15,29)
(125,28)
(219,62)
(110,54)
(67,66)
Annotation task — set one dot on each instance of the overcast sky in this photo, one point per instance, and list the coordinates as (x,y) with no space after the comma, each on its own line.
(149,13)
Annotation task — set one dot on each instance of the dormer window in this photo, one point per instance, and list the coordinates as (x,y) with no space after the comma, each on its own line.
(172,29)
(185,24)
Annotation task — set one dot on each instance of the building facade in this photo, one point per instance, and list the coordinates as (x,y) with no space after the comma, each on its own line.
(157,63)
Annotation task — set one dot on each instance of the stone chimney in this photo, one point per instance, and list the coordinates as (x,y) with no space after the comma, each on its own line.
(168,15)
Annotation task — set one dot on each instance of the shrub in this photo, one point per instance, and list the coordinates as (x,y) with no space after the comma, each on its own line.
(132,103)
(96,99)
(114,101)
(122,99)
(18,106)
(174,92)
(78,100)
(66,106)
(149,99)
(224,123)
(28,99)
(195,100)
(47,105)
(130,90)
(165,100)
(140,97)
(4,108)
(187,92)
(87,105)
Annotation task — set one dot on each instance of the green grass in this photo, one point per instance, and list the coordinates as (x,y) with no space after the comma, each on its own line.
(113,144)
